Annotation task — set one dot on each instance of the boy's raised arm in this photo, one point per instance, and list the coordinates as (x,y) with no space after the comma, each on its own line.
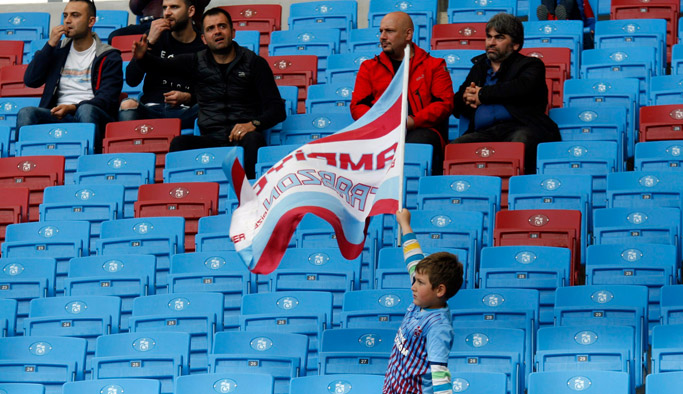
(412,252)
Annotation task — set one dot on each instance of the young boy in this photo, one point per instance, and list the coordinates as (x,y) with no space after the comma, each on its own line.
(419,359)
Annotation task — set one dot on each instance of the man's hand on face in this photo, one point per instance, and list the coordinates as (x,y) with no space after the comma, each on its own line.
(56,35)
(157,27)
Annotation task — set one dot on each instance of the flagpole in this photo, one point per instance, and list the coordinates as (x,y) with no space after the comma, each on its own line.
(401,148)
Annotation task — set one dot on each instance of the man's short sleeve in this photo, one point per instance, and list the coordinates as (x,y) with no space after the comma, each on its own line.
(439,341)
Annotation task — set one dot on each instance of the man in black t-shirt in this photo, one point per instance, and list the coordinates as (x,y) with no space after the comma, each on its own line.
(166,94)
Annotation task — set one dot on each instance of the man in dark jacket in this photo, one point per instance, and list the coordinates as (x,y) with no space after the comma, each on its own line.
(505,95)
(151,10)
(235,90)
(82,76)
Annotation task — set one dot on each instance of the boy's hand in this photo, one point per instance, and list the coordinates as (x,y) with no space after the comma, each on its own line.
(403,220)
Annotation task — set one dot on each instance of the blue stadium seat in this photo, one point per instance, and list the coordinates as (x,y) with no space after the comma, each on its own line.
(364,40)
(343,67)
(462,193)
(418,163)
(478,11)
(647,265)
(458,63)
(128,169)
(330,97)
(22,388)
(320,42)
(267,156)
(543,268)
(499,308)
(607,92)
(290,95)
(350,383)
(201,165)
(630,62)
(667,349)
(198,314)
(219,272)
(113,386)
(32,48)
(296,312)
(660,382)
(156,355)
(8,317)
(569,382)
(70,140)
(356,351)
(423,13)
(317,269)
(158,236)
(627,33)
(92,203)
(635,189)
(594,158)
(658,156)
(9,108)
(564,34)
(665,90)
(249,39)
(60,240)
(340,15)
(607,305)
(677,59)
(5,140)
(482,349)
(671,304)
(238,383)
(24,26)
(133,92)
(126,276)
(382,308)
(109,20)
(48,360)
(281,355)
(23,279)
(479,382)
(585,348)
(213,234)
(391,270)
(302,128)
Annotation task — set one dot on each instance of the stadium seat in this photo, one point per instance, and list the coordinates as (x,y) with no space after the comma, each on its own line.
(22,388)
(658,156)
(568,382)
(13,208)
(466,35)
(32,48)
(300,129)
(265,18)
(561,34)
(610,306)
(146,135)
(557,63)
(583,349)
(342,68)
(375,308)
(329,98)
(5,139)
(356,351)
(634,189)
(671,311)
(109,20)
(125,45)
(478,11)
(70,140)
(423,13)
(290,95)
(250,39)
(458,63)
(657,9)
(23,279)
(24,26)
(48,360)
(132,92)
(660,382)
(213,234)
(113,386)
(462,193)
(627,33)
(198,314)
(190,200)
(502,159)
(61,240)
(125,276)
(667,342)
(677,59)
(8,317)
(12,82)
(352,383)
(219,272)
(160,236)
(9,108)
(320,42)
(324,15)
(268,156)
(364,40)
(281,355)
(593,93)
(661,122)
(296,312)
(93,203)
(238,383)
(295,70)
(156,355)
(391,272)
(666,89)
(201,165)
(483,349)
(128,169)
(11,53)
(542,268)
(594,158)
(479,382)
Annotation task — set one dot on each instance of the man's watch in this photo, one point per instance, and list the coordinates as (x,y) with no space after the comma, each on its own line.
(256,123)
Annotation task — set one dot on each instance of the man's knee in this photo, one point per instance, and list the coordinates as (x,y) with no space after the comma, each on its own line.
(128,104)
(525,135)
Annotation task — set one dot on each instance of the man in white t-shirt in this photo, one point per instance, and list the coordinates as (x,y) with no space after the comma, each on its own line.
(82,75)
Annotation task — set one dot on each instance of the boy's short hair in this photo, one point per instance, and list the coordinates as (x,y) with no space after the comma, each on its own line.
(442,268)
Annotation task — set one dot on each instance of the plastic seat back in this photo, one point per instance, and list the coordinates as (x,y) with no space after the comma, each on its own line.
(125,45)
(24,26)
(295,70)
(359,383)
(132,386)
(109,20)
(467,35)
(356,351)
(34,172)
(238,383)
(12,82)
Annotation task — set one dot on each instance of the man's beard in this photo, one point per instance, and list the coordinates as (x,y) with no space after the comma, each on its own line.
(223,51)
(180,24)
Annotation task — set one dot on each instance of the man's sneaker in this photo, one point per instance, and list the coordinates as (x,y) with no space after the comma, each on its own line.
(542,12)
(561,12)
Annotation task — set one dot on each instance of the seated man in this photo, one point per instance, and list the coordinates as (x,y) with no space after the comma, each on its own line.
(82,76)
(505,95)
(235,89)
(150,10)
(165,94)
(430,97)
